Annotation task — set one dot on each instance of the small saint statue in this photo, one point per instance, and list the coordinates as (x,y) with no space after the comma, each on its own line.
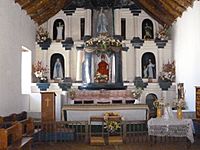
(59,31)
(148,32)
(150,71)
(58,70)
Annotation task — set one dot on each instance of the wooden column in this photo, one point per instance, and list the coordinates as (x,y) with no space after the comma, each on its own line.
(48,106)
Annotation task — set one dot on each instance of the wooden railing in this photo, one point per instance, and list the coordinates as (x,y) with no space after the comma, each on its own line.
(79,131)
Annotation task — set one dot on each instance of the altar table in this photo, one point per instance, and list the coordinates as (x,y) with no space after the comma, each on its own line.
(171,128)
(84,111)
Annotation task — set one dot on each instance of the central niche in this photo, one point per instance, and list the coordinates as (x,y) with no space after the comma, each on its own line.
(148,66)
(55,58)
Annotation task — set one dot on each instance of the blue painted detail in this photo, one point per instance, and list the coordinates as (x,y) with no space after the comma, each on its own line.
(64,86)
(137,42)
(43,86)
(160,43)
(138,82)
(46,44)
(86,38)
(135,10)
(68,43)
(165,85)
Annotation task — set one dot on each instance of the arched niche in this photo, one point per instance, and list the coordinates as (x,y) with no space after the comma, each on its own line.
(54,57)
(148,58)
(56,24)
(147,29)
(150,98)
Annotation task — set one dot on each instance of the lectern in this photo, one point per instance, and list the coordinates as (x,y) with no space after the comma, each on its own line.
(48,106)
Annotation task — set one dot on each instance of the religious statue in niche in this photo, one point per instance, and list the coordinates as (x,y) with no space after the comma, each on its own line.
(57,70)
(102,22)
(148,66)
(59,31)
(148,32)
(150,71)
(102,73)
(147,29)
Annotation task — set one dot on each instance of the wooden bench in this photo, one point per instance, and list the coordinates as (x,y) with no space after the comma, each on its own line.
(11,138)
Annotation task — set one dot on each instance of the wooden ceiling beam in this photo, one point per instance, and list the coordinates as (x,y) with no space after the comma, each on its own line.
(51,12)
(154,12)
(184,3)
(169,8)
(21,2)
(40,8)
(162,9)
(48,10)
(33,3)
(176,6)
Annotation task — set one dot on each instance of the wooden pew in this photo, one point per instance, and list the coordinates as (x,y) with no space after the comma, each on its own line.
(11,138)
(27,123)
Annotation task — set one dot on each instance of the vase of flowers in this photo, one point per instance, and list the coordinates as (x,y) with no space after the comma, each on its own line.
(40,71)
(137,93)
(179,104)
(112,120)
(159,104)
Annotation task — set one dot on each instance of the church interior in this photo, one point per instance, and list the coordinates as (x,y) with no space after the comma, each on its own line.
(100,74)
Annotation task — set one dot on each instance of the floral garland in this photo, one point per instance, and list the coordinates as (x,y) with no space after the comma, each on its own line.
(103,44)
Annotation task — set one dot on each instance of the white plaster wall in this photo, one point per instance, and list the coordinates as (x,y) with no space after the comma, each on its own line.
(187,51)
(16,30)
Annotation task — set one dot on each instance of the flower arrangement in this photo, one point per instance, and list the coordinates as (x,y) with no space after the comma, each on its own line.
(179,103)
(112,124)
(41,35)
(163,33)
(137,93)
(72,93)
(40,71)
(159,104)
(168,73)
(100,78)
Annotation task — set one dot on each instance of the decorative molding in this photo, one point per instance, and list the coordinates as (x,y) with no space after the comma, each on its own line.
(45,45)
(137,42)
(160,43)
(68,43)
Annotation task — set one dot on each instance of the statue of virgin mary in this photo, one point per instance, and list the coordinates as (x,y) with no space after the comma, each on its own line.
(102,22)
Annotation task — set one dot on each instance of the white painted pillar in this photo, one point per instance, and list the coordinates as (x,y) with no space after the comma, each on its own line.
(129,27)
(138,63)
(88,22)
(67,63)
(69,34)
(79,65)
(117,22)
(160,61)
(124,65)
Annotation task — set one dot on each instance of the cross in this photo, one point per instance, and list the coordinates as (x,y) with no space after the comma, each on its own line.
(47,101)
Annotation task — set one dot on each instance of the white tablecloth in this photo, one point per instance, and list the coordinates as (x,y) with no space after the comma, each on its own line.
(171,127)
